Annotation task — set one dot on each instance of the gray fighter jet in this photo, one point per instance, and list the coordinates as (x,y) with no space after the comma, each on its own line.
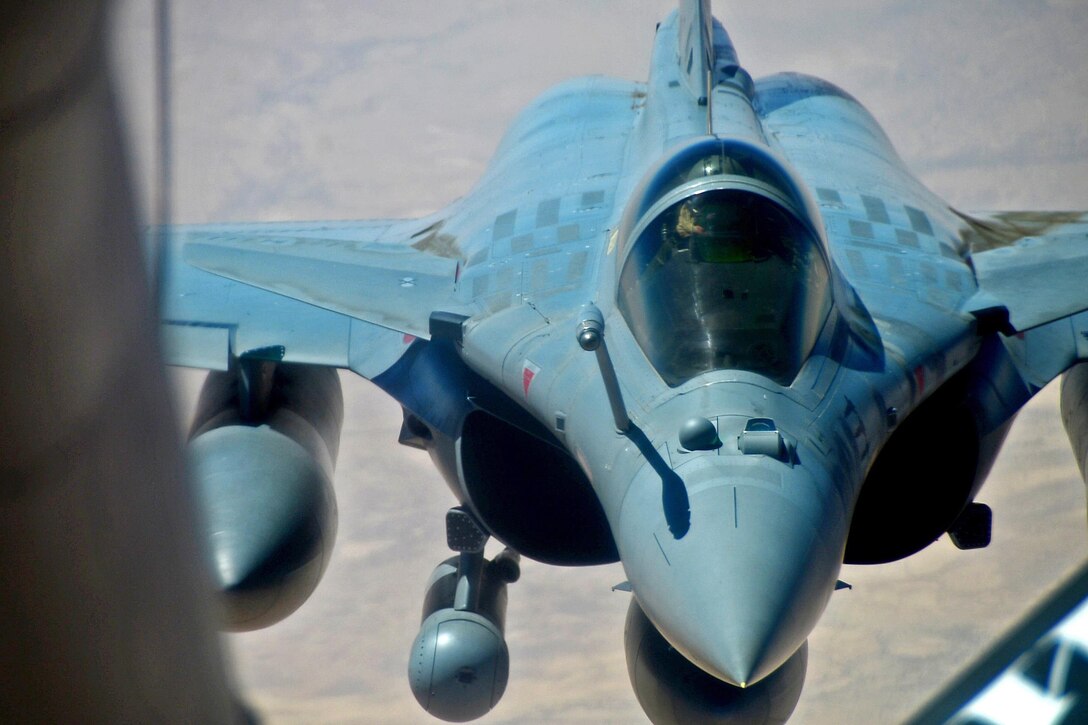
(706,326)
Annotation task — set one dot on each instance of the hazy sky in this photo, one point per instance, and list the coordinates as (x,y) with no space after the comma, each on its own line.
(364,109)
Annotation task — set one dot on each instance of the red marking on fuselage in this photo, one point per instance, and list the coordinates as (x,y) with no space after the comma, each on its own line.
(920,378)
(528,373)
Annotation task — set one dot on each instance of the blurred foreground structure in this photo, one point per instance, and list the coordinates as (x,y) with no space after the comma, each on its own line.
(106,615)
(1036,672)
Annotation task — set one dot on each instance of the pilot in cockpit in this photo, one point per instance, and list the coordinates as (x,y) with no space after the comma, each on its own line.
(720,231)
(725,272)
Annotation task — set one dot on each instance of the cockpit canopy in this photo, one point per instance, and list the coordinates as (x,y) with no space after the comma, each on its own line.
(722,266)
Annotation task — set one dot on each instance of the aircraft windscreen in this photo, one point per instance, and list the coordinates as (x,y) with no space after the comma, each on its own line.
(710,158)
(725,279)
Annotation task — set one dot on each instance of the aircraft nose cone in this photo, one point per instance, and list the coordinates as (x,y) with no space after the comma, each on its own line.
(739,584)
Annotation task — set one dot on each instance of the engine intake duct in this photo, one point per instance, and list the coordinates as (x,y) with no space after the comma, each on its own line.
(261,454)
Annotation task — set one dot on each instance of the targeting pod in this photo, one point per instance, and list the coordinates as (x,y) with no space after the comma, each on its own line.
(459,663)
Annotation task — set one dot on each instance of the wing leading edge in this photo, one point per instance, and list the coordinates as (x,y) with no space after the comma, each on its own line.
(1030,267)
(342,294)
(1034,264)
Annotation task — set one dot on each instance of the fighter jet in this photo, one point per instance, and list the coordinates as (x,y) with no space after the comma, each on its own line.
(707,326)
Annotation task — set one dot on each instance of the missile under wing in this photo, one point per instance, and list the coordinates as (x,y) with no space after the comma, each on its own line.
(702,325)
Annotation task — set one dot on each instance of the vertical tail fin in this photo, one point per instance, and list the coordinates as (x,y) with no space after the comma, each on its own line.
(696,46)
(706,56)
